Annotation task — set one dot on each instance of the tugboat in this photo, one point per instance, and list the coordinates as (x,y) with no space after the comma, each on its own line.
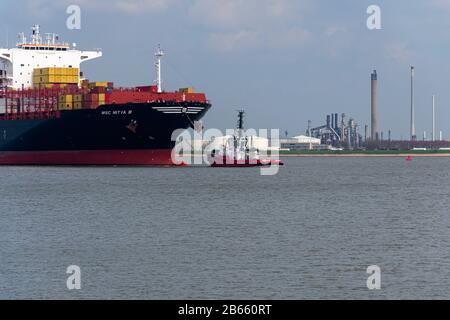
(242,153)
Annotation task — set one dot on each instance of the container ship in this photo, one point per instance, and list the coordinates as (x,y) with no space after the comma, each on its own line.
(50,114)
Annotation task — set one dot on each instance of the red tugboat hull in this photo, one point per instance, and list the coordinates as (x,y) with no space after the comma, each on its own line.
(233,163)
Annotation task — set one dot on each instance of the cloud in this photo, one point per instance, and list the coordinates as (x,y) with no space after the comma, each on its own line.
(228,24)
(441,3)
(127,6)
(232,41)
(333,30)
(244,40)
(232,14)
(236,25)
(293,37)
(399,52)
(136,6)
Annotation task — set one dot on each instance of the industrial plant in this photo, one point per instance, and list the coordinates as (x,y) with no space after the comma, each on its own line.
(341,132)
(337,132)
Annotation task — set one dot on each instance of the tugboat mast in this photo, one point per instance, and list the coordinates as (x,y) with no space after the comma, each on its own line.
(240,124)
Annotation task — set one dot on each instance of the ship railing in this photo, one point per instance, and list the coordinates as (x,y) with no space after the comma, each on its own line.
(126,89)
(36,103)
(137,90)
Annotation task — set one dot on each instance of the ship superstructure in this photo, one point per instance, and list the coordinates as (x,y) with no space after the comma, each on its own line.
(17,64)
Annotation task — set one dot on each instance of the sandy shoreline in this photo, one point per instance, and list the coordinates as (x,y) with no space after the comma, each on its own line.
(349,155)
(366,155)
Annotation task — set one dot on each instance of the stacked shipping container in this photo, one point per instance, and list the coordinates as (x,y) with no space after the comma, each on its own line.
(187,90)
(65,102)
(77,101)
(48,77)
(92,95)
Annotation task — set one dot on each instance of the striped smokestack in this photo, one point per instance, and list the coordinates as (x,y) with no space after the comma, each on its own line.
(433,122)
(413,115)
(374,106)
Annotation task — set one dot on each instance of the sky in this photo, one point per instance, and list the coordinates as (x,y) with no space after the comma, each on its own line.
(284,61)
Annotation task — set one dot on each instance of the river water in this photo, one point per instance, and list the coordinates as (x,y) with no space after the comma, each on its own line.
(309,232)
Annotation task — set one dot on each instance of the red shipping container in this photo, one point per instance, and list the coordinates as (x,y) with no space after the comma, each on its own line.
(147,89)
(86,97)
(98,90)
(90,104)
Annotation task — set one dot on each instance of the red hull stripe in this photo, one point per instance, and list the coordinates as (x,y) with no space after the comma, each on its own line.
(88,157)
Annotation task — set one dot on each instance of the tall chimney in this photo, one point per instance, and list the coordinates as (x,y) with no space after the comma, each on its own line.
(433,112)
(413,117)
(374,106)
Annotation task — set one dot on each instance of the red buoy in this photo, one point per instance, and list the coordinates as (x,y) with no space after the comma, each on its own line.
(408,158)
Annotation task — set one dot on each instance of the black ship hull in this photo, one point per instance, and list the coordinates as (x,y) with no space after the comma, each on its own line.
(126,134)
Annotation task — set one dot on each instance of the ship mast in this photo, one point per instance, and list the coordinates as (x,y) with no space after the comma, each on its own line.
(159,54)
(36,34)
